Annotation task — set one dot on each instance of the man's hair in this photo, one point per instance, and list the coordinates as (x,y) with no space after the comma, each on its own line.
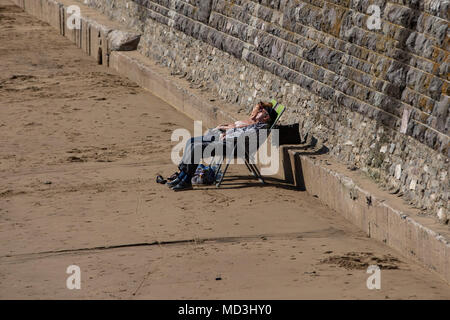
(266,104)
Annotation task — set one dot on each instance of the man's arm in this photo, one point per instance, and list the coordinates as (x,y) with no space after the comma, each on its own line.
(233,126)
(225,127)
(247,130)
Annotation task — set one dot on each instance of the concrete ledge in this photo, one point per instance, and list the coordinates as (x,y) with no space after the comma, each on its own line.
(380,215)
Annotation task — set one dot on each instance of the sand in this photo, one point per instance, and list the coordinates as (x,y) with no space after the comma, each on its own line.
(80,148)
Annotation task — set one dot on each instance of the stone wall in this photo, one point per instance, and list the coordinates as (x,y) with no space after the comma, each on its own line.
(378,99)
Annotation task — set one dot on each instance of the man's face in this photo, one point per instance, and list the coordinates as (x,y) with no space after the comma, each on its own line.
(262,116)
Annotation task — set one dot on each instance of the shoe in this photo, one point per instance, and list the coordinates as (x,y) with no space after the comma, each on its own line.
(160,180)
(173,183)
(182,186)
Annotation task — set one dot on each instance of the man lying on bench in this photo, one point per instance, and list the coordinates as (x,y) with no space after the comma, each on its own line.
(222,138)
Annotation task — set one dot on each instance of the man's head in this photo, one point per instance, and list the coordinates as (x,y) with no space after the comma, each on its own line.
(262,116)
(269,114)
(264,112)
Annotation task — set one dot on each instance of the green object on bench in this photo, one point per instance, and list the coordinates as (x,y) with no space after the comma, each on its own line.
(279,108)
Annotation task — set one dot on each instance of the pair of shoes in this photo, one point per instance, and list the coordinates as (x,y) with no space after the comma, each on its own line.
(182,185)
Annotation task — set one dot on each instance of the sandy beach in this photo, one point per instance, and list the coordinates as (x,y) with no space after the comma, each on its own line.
(80,148)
